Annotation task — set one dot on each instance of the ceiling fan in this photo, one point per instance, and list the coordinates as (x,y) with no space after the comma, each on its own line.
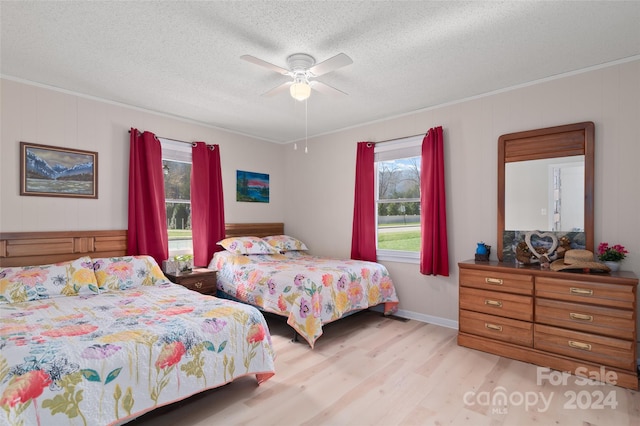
(303,69)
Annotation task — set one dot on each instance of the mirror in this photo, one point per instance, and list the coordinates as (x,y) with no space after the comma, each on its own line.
(550,201)
(545,181)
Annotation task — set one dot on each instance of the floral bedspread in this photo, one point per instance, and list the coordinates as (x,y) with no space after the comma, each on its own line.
(310,291)
(106,358)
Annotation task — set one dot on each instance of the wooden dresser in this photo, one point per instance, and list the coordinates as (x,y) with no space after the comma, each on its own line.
(581,323)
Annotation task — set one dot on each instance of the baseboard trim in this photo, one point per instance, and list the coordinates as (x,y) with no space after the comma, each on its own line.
(430,319)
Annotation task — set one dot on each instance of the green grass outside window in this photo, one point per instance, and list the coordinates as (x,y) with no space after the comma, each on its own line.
(402,240)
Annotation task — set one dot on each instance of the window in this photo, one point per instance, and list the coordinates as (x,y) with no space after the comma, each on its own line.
(398,199)
(176,164)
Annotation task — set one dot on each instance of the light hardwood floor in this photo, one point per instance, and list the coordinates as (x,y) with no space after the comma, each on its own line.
(370,370)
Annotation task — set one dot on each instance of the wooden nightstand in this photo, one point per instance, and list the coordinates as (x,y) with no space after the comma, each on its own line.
(199,279)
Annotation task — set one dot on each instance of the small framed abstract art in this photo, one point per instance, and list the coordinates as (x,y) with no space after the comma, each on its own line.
(52,171)
(252,187)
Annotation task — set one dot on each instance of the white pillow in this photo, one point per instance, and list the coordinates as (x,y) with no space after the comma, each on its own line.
(120,273)
(284,243)
(25,283)
(247,245)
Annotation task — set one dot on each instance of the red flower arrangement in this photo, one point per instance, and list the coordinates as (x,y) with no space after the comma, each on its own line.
(611,254)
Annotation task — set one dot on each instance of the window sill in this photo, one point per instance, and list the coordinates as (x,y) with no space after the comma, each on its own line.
(398,256)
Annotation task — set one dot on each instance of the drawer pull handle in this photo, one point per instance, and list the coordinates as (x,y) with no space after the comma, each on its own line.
(198,284)
(580,345)
(496,281)
(581,317)
(492,327)
(495,303)
(581,291)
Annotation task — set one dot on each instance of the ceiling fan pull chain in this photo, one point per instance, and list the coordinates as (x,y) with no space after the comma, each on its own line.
(306,131)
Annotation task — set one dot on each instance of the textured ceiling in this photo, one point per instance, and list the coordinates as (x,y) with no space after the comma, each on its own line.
(183,58)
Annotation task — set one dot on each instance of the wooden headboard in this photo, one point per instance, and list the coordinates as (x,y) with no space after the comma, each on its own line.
(253,229)
(41,248)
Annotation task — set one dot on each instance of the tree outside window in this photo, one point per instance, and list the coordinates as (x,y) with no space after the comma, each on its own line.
(398,202)
(177,188)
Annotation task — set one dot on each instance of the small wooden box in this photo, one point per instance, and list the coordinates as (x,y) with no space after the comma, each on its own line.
(199,279)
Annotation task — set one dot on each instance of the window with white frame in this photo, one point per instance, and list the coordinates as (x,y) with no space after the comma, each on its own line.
(397,165)
(176,165)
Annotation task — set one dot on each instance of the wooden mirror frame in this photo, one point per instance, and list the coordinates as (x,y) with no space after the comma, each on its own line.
(550,142)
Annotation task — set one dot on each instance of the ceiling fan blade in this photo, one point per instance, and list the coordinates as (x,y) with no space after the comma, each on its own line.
(333,63)
(278,89)
(325,88)
(265,64)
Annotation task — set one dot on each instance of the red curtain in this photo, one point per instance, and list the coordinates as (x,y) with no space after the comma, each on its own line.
(147,232)
(207,202)
(434,256)
(363,237)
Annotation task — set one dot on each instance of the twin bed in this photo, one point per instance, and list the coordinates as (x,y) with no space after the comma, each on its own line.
(263,267)
(92,336)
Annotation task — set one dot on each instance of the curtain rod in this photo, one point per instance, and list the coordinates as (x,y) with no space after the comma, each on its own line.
(176,140)
(395,139)
(210,146)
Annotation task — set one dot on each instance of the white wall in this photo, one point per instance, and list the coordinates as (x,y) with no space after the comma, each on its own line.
(40,115)
(320,183)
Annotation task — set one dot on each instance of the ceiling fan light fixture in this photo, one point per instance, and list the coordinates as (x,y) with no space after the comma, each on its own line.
(300,90)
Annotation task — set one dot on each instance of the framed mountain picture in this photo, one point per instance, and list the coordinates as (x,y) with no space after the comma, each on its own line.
(53,171)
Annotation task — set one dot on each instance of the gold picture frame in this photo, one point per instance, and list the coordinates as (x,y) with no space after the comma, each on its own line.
(52,171)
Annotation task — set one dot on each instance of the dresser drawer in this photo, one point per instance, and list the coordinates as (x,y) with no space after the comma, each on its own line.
(589,347)
(501,281)
(604,294)
(206,285)
(507,305)
(200,280)
(495,327)
(589,318)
